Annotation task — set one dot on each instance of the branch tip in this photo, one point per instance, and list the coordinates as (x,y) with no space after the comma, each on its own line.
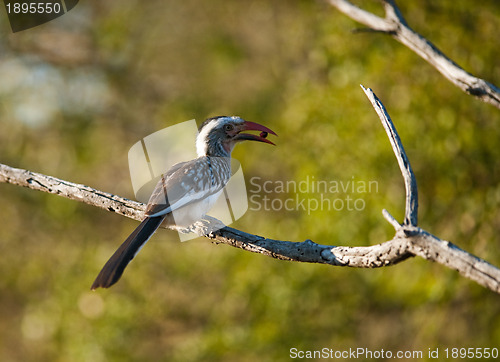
(391,219)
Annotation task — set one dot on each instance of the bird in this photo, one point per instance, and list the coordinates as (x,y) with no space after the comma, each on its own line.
(187,191)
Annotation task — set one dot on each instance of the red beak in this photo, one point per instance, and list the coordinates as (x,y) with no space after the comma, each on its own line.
(251,126)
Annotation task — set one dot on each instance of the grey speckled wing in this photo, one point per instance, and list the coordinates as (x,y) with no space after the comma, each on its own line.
(188,182)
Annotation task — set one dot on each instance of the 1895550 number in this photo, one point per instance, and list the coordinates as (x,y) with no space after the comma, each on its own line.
(471,353)
(34,8)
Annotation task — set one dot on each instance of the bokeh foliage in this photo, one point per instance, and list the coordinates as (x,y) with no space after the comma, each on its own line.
(76,93)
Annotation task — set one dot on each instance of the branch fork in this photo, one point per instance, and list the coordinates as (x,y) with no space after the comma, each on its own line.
(395,25)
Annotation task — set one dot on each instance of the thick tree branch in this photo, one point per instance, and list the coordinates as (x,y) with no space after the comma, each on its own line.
(72,191)
(409,239)
(395,25)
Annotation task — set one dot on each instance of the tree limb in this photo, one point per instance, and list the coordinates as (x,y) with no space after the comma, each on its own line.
(409,239)
(411,212)
(72,191)
(395,25)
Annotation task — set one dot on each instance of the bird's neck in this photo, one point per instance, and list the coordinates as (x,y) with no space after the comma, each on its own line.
(213,149)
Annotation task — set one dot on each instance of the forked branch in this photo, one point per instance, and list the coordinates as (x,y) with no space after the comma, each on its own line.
(409,239)
(395,24)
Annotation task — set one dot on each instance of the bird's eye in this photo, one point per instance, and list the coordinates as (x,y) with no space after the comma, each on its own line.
(228,127)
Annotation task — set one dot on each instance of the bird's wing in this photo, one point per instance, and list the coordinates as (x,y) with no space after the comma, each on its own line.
(185,183)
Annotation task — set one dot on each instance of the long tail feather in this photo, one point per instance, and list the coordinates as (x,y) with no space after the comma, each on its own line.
(113,269)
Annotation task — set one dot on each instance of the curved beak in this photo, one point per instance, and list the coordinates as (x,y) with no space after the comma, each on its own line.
(252,126)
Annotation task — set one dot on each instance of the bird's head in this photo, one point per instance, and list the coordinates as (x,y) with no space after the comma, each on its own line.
(218,135)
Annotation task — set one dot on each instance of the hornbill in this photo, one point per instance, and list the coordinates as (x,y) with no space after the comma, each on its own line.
(187,191)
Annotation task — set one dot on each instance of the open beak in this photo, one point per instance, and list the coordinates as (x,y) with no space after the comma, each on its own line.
(251,126)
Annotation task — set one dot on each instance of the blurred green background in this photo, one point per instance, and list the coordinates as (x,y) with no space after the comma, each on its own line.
(76,93)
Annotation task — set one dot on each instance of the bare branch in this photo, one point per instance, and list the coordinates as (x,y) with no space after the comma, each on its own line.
(411,211)
(395,25)
(72,191)
(409,240)
(362,16)
(443,252)
(391,219)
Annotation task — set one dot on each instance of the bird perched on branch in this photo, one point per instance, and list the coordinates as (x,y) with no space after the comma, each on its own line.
(186,192)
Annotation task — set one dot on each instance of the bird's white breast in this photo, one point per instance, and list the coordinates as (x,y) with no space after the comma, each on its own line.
(189,214)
